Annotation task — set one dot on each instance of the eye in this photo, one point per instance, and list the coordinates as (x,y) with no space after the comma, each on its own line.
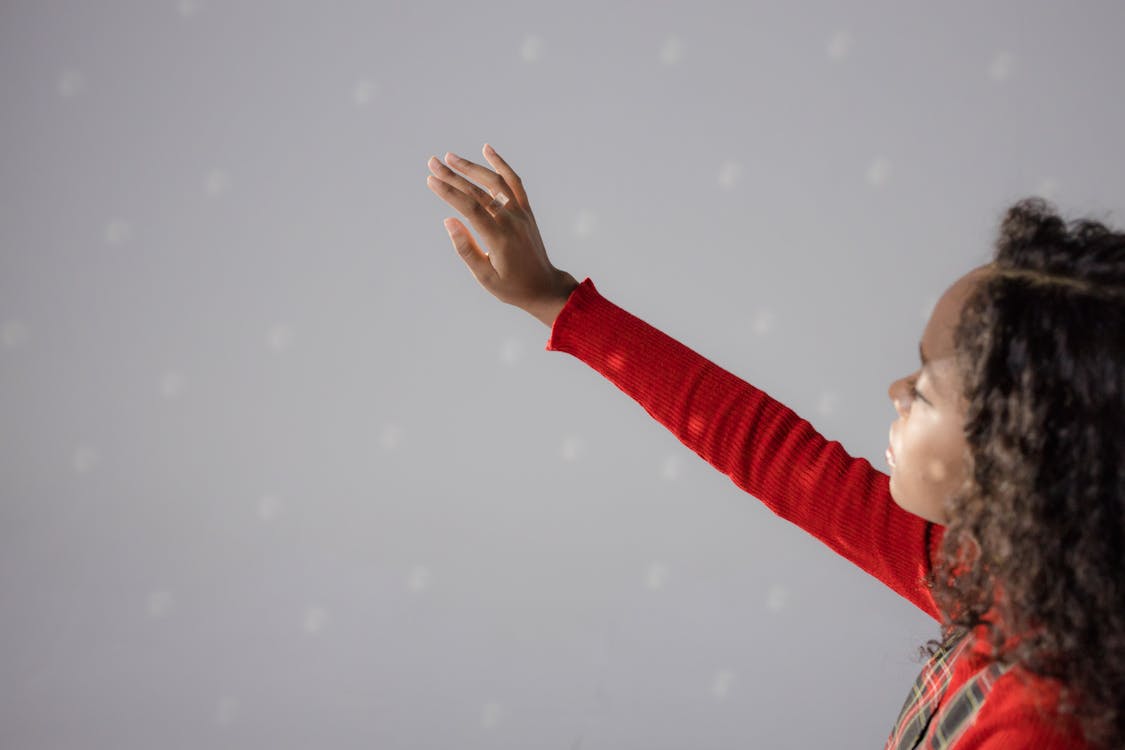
(914,391)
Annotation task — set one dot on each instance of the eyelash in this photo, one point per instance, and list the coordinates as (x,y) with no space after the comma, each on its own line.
(914,391)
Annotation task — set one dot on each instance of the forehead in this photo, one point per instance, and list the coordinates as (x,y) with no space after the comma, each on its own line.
(937,337)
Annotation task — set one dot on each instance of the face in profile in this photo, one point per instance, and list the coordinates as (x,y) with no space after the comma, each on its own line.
(927,438)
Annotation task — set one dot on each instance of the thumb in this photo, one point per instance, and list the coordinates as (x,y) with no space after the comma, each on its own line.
(470,252)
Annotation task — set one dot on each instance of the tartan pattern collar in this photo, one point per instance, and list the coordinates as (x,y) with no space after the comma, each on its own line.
(913,726)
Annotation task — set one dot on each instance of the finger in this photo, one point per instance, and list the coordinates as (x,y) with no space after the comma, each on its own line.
(515,184)
(477,261)
(447,175)
(484,222)
(485,176)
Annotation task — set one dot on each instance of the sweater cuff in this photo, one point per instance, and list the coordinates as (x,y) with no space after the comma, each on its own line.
(583,298)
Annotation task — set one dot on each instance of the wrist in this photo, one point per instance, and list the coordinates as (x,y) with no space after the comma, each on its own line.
(549,310)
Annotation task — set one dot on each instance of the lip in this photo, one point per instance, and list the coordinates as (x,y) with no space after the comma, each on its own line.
(890,454)
(890,457)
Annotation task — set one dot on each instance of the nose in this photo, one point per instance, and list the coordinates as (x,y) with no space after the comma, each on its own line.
(897,394)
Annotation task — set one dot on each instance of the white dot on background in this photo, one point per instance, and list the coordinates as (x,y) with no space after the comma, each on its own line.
(839,45)
(71,82)
(189,8)
(720,686)
(268,507)
(585,223)
(363,91)
(84,459)
(419,578)
(656,575)
(532,48)
(227,710)
(390,437)
(729,172)
(171,384)
(217,182)
(315,620)
(279,337)
(572,448)
(670,468)
(777,598)
(672,50)
(13,333)
(763,322)
(1047,187)
(1000,68)
(879,171)
(117,231)
(491,715)
(511,351)
(159,604)
(827,403)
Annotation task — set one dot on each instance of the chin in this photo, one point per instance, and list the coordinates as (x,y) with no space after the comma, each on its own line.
(907,508)
(894,495)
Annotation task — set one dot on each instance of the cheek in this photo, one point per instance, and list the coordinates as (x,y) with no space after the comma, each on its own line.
(931,458)
(921,482)
(936,470)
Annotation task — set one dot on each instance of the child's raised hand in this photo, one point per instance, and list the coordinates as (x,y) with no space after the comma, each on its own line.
(517,270)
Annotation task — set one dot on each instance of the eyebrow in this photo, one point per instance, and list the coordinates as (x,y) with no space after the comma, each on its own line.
(938,387)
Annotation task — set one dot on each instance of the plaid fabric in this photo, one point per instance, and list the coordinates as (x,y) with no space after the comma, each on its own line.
(917,726)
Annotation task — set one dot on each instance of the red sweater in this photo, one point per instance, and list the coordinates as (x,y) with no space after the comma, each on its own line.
(772,453)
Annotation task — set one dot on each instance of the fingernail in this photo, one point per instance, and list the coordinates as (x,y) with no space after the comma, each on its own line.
(452,157)
(488,149)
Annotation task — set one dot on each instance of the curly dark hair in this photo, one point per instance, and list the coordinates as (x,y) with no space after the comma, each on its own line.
(1040,347)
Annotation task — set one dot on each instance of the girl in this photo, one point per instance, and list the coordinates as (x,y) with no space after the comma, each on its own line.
(1002,516)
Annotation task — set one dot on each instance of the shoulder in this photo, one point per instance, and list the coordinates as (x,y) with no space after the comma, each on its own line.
(1020,711)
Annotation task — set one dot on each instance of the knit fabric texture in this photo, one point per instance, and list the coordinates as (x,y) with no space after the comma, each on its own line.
(775,455)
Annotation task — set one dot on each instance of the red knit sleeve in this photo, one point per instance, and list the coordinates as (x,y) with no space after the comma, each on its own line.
(764,447)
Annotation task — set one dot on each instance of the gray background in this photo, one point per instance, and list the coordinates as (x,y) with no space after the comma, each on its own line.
(277,472)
